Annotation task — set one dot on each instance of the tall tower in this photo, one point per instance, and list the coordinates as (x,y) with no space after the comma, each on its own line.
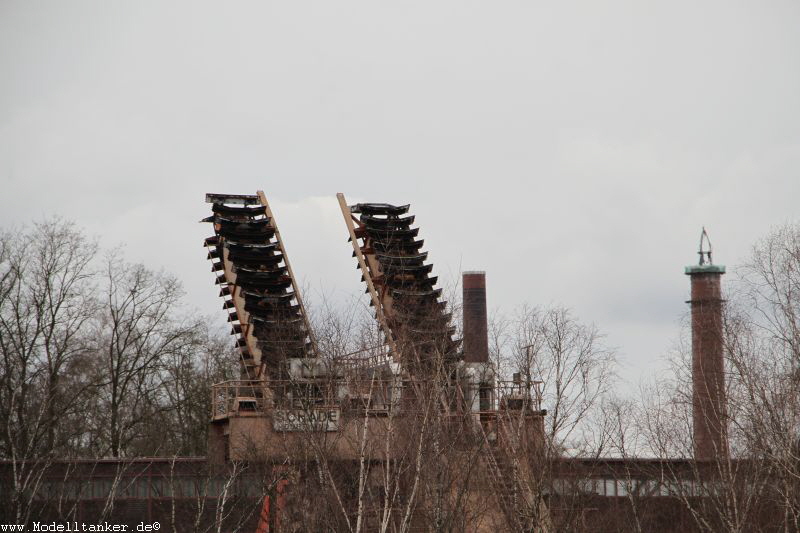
(708,369)
(476,339)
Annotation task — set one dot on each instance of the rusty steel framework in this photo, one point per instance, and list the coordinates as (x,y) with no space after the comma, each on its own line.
(285,379)
(257,284)
(265,307)
(402,291)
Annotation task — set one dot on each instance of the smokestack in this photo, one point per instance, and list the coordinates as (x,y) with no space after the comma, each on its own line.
(476,336)
(708,370)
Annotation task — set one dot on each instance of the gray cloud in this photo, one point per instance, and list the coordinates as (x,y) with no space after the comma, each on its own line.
(571,150)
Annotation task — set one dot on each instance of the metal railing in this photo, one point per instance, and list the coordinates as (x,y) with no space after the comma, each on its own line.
(238,397)
(250,397)
(375,357)
(518,395)
(371,396)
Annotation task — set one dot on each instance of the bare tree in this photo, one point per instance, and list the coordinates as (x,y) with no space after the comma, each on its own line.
(140,327)
(561,365)
(570,360)
(45,305)
(763,352)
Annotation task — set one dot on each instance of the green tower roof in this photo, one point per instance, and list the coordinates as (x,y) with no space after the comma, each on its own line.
(705,269)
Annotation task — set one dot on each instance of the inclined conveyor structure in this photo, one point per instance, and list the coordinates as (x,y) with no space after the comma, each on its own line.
(288,389)
(259,290)
(414,320)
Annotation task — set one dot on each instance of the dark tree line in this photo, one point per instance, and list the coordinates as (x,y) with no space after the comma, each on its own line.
(99,356)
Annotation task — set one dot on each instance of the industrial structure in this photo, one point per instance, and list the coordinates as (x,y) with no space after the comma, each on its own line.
(294,405)
(288,389)
(708,362)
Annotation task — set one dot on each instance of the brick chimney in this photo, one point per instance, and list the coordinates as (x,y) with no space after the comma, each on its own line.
(710,432)
(476,337)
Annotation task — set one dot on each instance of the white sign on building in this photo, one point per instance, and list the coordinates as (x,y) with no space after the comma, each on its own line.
(313,420)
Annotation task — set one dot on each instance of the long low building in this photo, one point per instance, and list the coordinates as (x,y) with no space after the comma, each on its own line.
(191,494)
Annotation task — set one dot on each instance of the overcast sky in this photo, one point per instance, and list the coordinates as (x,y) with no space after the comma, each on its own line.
(572,150)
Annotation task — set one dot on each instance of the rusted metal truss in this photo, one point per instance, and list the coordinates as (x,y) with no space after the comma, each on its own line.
(257,283)
(407,304)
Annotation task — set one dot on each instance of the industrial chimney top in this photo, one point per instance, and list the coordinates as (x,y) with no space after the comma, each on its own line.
(706,264)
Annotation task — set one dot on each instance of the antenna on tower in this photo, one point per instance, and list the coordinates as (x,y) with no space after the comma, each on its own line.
(705,255)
